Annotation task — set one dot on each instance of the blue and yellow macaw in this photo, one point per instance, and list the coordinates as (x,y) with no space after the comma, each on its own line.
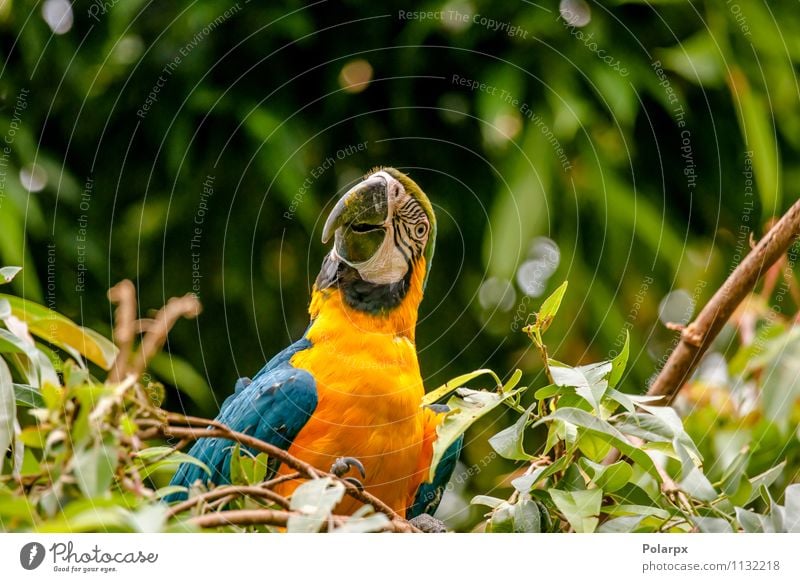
(348,394)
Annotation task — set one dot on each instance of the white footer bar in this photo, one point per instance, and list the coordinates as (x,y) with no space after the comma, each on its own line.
(276,557)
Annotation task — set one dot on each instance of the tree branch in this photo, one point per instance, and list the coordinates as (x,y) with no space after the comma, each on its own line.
(187,306)
(274,517)
(219,430)
(226,490)
(698,335)
(123,294)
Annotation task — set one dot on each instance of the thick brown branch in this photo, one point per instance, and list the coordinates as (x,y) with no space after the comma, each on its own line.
(273,517)
(242,517)
(697,336)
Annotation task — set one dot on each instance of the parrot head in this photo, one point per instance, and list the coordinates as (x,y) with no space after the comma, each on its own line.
(384,232)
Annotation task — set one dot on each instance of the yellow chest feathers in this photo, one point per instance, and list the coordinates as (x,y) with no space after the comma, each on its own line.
(366,365)
(369,392)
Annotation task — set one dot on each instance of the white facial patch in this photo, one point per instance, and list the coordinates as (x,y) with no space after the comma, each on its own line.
(388,265)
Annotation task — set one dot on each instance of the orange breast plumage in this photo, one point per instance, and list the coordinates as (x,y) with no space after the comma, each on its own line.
(369,391)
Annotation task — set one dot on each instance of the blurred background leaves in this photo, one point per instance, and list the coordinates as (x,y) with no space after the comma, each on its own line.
(630,147)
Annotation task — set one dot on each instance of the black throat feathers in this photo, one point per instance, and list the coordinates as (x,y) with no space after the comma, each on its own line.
(372,298)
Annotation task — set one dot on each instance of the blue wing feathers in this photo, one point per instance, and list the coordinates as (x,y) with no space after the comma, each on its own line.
(429,495)
(273,407)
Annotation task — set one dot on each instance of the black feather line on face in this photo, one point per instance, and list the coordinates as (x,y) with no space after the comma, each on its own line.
(359,294)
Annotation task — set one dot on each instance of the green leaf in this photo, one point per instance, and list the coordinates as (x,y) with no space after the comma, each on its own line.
(769,342)
(161,458)
(435,395)
(735,472)
(673,426)
(254,468)
(168,490)
(487,500)
(60,331)
(39,370)
(28,396)
(781,385)
(8,410)
(508,443)
(625,524)
(752,522)
(236,475)
(633,509)
(759,136)
(712,524)
(313,501)
(15,508)
(594,447)
(791,520)
(465,409)
(148,519)
(775,511)
(364,520)
(525,483)
(9,343)
(609,478)
(94,469)
(580,508)
(598,426)
(696,484)
(589,381)
(548,392)
(580,376)
(96,514)
(8,273)
(550,307)
(502,519)
(527,516)
(765,479)
(620,362)
(696,59)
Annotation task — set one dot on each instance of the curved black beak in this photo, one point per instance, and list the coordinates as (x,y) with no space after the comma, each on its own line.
(365,207)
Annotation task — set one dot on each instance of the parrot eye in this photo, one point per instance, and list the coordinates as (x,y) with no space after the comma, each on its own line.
(421,229)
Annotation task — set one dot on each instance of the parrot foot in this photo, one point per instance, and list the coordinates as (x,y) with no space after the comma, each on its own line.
(342,465)
(426,523)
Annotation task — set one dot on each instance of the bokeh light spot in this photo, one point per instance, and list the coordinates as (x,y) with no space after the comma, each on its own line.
(355,76)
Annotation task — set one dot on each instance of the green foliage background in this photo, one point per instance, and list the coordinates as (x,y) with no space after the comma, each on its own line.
(257,102)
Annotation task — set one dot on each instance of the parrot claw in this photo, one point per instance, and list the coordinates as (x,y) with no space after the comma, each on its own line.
(426,523)
(343,464)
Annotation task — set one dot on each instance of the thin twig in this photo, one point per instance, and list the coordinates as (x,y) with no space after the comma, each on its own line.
(198,433)
(281,479)
(697,336)
(228,490)
(123,294)
(289,460)
(219,430)
(187,306)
